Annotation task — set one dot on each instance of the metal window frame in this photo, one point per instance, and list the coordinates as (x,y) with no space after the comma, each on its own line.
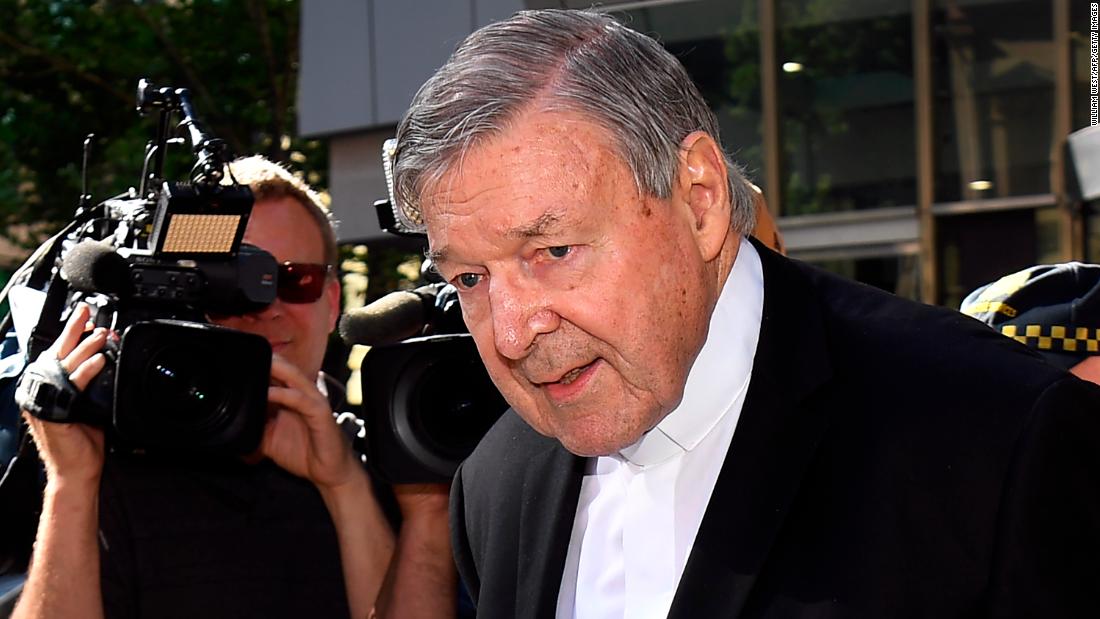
(1071,226)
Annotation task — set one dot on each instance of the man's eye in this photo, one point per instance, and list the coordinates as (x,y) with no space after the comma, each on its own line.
(468,280)
(559,251)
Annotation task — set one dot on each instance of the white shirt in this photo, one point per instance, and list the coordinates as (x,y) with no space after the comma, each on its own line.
(640,509)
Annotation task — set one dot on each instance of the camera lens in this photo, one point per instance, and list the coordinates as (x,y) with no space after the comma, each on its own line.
(457,405)
(442,402)
(190,387)
(428,401)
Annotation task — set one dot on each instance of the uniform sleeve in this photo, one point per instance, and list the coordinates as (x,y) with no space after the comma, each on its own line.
(1047,561)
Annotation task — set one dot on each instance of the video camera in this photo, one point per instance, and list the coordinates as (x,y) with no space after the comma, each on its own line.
(153,264)
(427,398)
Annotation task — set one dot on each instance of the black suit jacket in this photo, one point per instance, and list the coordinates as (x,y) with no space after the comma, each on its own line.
(891,460)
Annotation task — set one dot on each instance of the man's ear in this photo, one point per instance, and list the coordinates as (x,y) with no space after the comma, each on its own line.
(704,187)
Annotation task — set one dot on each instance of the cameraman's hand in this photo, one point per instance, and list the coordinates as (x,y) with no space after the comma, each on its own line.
(302,437)
(72,452)
(422,579)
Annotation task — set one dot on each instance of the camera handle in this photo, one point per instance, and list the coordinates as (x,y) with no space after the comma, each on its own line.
(210,152)
(45,391)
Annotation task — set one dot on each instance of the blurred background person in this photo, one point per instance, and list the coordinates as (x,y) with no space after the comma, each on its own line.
(1053,309)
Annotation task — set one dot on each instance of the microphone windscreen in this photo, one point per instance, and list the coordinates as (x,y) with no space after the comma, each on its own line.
(394,317)
(93,266)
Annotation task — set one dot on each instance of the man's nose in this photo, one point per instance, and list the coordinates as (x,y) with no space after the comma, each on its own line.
(521,312)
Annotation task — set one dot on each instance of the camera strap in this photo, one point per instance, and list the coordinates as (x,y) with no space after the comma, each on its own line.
(49,321)
(45,391)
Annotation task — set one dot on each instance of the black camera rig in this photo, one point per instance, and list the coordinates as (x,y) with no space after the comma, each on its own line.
(153,263)
(427,397)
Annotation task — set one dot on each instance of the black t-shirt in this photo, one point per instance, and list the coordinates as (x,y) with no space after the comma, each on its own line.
(215,539)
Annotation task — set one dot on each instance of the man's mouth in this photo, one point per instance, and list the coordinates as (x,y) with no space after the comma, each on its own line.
(572,375)
(567,377)
(570,385)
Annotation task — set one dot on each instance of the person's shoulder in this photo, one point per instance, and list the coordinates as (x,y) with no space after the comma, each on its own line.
(506,449)
(896,356)
(892,345)
(498,476)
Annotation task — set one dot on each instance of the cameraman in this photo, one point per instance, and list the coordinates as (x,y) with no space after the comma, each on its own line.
(294,531)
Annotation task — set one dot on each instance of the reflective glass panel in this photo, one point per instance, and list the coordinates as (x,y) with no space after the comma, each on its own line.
(1081,29)
(846,105)
(718,42)
(898,274)
(977,248)
(993,75)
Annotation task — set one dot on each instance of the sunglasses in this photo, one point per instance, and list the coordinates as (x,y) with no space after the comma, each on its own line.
(301,282)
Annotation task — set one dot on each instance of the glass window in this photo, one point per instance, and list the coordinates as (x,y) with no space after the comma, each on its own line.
(1080,58)
(993,74)
(718,42)
(1092,233)
(977,248)
(898,274)
(846,105)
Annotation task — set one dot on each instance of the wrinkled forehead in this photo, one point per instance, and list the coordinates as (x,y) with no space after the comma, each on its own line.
(542,159)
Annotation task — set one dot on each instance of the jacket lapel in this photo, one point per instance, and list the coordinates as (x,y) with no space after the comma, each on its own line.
(775,440)
(551,490)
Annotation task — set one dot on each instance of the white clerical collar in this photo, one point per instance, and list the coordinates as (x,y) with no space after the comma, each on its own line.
(721,370)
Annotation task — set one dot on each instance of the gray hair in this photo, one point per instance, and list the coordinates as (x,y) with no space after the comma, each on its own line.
(576,61)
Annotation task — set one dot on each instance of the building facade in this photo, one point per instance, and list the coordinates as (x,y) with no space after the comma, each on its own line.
(916,145)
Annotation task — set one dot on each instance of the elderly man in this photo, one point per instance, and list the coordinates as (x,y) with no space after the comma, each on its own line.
(701,427)
(294,532)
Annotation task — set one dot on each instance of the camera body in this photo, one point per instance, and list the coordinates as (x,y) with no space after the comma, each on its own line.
(428,399)
(183,386)
(153,264)
(428,402)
